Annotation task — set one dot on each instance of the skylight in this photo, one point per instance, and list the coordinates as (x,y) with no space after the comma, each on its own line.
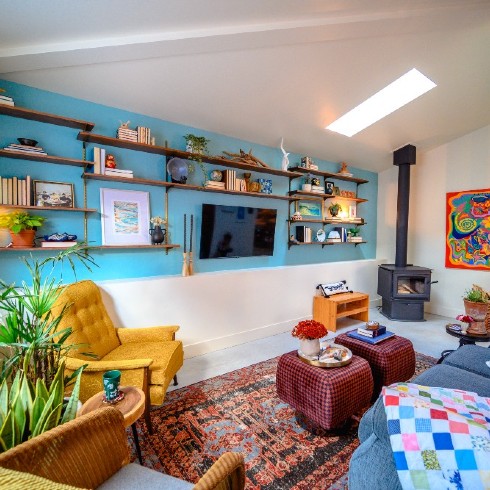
(395,95)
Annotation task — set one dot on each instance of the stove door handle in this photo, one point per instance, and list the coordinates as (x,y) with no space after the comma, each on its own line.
(433,282)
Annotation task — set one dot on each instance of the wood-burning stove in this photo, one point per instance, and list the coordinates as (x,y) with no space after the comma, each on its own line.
(403,288)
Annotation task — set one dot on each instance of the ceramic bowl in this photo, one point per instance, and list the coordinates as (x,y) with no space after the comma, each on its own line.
(27,141)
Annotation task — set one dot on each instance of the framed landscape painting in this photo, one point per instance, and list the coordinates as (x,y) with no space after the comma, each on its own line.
(310,209)
(468,229)
(125,217)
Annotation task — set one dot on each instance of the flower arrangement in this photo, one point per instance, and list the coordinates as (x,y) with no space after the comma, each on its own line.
(158,221)
(309,330)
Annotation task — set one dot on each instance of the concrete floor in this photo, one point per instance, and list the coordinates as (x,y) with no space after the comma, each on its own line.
(428,337)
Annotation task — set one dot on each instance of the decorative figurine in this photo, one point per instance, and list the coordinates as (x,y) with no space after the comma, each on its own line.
(110,161)
(285,159)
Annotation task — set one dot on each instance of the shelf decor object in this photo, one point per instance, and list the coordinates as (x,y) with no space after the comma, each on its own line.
(125,217)
(53,194)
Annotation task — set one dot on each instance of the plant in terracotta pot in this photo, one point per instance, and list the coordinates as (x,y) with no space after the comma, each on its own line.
(22,227)
(477,305)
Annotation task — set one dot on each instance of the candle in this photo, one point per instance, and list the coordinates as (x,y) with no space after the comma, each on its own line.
(190,240)
(185,233)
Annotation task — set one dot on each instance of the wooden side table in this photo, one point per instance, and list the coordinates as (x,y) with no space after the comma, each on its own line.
(327,310)
(132,406)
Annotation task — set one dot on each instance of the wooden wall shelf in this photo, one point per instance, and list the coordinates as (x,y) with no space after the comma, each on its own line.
(22,155)
(46,208)
(303,171)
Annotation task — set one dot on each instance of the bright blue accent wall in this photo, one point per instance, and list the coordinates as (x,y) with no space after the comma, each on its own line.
(129,263)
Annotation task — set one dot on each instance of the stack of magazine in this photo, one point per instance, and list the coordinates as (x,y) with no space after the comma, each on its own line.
(371,335)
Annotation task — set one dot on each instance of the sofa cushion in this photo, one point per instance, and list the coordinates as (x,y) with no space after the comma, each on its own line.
(447,376)
(472,358)
(136,477)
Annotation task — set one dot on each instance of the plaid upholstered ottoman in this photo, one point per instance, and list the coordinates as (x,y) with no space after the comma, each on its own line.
(391,360)
(326,396)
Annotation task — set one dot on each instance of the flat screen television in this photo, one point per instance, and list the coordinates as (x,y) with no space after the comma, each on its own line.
(236,231)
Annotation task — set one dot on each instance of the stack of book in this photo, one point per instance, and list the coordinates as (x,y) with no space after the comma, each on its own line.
(214,185)
(371,335)
(376,332)
(53,244)
(127,134)
(25,149)
(6,100)
(99,160)
(229,177)
(355,239)
(119,172)
(15,191)
(143,135)
(319,189)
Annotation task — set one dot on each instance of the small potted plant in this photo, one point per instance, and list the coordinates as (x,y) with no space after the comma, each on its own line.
(307,183)
(477,304)
(309,333)
(22,227)
(334,209)
(157,233)
(198,146)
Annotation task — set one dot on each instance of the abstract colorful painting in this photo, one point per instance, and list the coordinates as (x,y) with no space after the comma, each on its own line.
(468,229)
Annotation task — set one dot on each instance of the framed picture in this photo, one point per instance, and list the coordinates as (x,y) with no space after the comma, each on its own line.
(468,229)
(125,217)
(310,209)
(352,211)
(329,187)
(53,194)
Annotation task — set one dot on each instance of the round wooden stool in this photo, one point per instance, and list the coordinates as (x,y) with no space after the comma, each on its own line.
(132,406)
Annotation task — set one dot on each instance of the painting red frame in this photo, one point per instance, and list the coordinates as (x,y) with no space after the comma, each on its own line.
(468,229)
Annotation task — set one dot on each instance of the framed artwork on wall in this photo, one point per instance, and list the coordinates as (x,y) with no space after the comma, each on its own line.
(468,229)
(125,217)
(310,209)
(53,194)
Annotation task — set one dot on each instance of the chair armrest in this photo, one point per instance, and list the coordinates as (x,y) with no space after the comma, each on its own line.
(83,452)
(147,334)
(95,366)
(227,472)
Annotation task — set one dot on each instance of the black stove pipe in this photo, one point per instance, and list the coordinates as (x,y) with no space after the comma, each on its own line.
(403,158)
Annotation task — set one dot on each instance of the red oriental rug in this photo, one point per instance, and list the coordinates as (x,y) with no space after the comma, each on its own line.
(240,411)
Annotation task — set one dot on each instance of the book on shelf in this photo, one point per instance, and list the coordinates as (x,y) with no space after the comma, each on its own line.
(303,234)
(110,172)
(6,100)
(67,244)
(371,340)
(355,239)
(25,149)
(214,185)
(96,160)
(229,179)
(372,333)
(119,171)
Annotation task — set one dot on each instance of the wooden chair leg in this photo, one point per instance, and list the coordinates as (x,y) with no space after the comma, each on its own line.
(146,389)
(175,380)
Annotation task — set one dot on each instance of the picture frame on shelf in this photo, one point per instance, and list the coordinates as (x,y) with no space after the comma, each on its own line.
(310,209)
(329,187)
(48,194)
(125,217)
(352,212)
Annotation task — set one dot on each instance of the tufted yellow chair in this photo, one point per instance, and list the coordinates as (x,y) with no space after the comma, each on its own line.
(147,357)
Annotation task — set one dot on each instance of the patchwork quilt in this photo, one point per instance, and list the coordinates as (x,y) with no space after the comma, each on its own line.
(440,437)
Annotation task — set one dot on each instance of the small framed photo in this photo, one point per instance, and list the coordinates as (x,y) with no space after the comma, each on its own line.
(352,212)
(329,187)
(310,209)
(53,194)
(125,217)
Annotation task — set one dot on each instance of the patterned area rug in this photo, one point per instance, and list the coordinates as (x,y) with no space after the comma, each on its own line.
(240,411)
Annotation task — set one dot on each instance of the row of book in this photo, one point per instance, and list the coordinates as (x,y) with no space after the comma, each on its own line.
(35,150)
(232,182)
(6,100)
(15,191)
(304,234)
(139,135)
(99,159)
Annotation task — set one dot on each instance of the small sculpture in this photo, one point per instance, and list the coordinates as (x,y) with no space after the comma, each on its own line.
(285,159)
(110,161)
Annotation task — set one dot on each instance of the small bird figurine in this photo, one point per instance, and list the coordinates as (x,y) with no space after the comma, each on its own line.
(285,159)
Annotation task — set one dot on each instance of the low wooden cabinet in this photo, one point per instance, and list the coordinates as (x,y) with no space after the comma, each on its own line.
(327,310)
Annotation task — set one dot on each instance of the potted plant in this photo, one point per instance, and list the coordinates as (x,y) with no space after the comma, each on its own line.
(309,333)
(334,209)
(477,304)
(307,183)
(198,146)
(22,227)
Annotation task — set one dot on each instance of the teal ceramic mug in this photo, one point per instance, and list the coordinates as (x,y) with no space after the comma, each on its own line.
(111,380)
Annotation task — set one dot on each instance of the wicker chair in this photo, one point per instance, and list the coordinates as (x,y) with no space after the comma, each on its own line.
(147,357)
(92,452)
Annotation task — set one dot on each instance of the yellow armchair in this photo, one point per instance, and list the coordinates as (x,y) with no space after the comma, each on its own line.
(147,357)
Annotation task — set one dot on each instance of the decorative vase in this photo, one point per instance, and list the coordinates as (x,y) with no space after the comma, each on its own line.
(23,239)
(157,235)
(478,311)
(310,347)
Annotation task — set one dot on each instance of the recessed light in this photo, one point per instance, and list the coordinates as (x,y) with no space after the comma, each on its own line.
(395,95)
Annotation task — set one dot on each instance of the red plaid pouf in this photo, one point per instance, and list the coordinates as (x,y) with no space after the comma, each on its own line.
(326,396)
(391,360)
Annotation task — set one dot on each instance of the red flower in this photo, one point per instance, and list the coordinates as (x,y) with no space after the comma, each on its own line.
(465,318)
(309,330)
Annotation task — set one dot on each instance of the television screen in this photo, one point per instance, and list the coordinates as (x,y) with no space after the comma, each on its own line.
(236,231)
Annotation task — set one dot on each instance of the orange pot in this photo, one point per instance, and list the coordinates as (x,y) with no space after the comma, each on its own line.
(23,239)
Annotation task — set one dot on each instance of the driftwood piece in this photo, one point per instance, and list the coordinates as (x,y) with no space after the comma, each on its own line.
(245,157)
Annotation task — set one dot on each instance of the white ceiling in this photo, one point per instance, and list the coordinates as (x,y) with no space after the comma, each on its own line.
(261,70)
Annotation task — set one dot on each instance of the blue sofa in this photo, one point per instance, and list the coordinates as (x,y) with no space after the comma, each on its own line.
(372,465)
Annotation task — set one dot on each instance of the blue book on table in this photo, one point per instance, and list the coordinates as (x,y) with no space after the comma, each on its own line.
(369,340)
